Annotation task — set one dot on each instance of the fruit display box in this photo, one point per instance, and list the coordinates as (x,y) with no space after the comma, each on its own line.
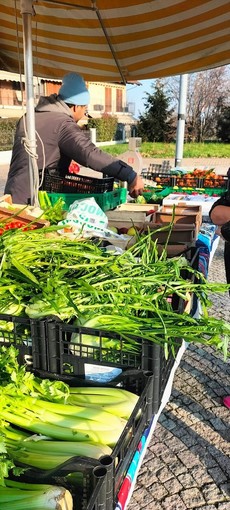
(18,212)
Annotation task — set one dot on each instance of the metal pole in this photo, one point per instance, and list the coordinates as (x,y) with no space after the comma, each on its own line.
(181,119)
(27,12)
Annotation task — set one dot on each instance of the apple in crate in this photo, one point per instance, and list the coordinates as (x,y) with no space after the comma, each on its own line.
(114,229)
(132,231)
(123,230)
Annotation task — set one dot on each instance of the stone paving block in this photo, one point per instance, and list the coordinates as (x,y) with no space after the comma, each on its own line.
(161,430)
(164,474)
(143,497)
(176,445)
(169,458)
(225,488)
(173,503)
(160,449)
(158,491)
(192,498)
(217,423)
(201,475)
(218,475)
(188,458)
(177,467)
(146,478)
(205,455)
(223,506)
(206,507)
(187,480)
(212,493)
(173,486)
(222,460)
(168,423)
(148,458)
(189,440)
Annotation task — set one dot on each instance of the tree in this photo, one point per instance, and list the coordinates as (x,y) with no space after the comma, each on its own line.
(155,125)
(223,125)
(207,90)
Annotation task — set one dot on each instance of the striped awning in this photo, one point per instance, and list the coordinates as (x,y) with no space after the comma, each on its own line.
(118,40)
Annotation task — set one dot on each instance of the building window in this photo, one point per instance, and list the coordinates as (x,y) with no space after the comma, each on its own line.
(10,93)
(108,99)
(119,100)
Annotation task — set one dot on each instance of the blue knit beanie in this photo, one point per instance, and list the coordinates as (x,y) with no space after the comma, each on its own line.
(74,90)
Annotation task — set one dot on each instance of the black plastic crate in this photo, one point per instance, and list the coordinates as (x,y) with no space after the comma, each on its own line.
(186,180)
(46,348)
(102,479)
(51,354)
(76,184)
(160,178)
(28,336)
(219,181)
(89,487)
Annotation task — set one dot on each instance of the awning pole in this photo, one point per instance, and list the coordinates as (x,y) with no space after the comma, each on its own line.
(181,119)
(27,12)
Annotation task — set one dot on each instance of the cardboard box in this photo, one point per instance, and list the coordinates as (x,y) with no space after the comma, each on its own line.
(126,219)
(181,233)
(179,219)
(182,209)
(133,207)
(173,249)
(6,198)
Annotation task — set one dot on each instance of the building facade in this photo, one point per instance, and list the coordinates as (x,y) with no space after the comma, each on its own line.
(107,98)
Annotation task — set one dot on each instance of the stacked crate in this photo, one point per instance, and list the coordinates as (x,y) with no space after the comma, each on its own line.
(76,187)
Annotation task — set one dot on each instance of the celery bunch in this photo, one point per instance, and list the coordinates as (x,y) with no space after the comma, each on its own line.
(26,496)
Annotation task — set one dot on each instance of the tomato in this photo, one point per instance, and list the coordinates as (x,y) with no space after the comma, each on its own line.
(29,227)
(2,230)
(14,224)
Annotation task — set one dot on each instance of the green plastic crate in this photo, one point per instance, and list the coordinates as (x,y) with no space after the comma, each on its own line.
(106,201)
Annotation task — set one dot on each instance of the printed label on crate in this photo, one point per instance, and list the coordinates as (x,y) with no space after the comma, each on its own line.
(101,373)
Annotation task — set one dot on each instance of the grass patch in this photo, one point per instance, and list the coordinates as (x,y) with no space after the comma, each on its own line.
(167,150)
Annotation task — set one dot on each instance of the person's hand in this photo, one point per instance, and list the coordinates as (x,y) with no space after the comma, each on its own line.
(136,187)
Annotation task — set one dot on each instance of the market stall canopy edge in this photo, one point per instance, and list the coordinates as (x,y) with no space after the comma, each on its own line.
(129,41)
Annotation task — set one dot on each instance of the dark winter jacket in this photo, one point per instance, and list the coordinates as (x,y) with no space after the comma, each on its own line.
(224,200)
(61,140)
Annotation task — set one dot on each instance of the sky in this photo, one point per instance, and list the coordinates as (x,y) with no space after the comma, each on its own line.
(136,94)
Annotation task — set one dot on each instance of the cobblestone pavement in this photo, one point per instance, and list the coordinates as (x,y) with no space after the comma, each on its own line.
(187,463)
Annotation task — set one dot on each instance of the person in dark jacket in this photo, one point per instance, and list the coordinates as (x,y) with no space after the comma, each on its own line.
(220,216)
(60,140)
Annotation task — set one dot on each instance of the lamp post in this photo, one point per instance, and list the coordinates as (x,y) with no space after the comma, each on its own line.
(181,119)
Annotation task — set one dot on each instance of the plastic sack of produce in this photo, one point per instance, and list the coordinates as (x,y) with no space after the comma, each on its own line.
(86,218)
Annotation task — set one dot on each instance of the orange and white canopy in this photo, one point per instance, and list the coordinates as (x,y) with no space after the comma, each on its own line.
(118,40)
